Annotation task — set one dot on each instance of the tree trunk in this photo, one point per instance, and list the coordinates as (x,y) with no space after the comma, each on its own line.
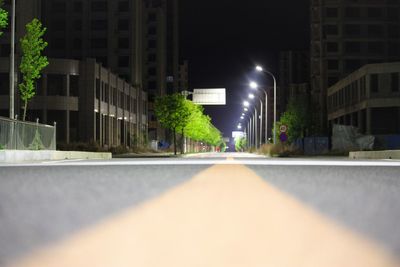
(25,107)
(174,141)
(182,143)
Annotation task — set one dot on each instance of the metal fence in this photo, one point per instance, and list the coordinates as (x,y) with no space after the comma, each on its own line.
(19,135)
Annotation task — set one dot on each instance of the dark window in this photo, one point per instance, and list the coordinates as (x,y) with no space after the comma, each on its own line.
(99,25)
(374,12)
(58,43)
(4,84)
(353,47)
(58,25)
(59,6)
(395,82)
(123,43)
(393,13)
(99,6)
(152,57)
(123,61)
(123,25)
(152,30)
(77,25)
(393,31)
(77,43)
(352,29)
(375,47)
(330,30)
(352,12)
(5,50)
(332,47)
(152,44)
(152,17)
(152,85)
(152,71)
(99,43)
(331,12)
(375,30)
(374,83)
(123,6)
(333,64)
(77,7)
(74,85)
(55,84)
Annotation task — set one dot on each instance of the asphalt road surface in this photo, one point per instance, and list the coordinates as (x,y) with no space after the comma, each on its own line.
(221,210)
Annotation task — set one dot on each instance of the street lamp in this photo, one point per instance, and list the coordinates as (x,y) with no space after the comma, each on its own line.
(253,85)
(12,61)
(251,96)
(246,104)
(261,69)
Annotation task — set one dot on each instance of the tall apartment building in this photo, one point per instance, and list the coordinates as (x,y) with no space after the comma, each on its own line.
(294,69)
(345,35)
(106,30)
(160,62)
(183,78)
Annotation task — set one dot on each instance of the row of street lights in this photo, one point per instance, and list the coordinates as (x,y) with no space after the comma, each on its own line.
(251,129)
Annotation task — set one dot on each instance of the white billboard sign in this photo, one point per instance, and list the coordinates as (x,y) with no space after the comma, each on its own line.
(237,134)
(209,96)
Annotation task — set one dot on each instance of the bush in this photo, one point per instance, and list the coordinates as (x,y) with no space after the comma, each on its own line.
(279,150)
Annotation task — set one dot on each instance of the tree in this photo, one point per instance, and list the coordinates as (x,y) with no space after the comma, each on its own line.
(3,18)
(240,144)
(172,112)
(32,61)
(297,118)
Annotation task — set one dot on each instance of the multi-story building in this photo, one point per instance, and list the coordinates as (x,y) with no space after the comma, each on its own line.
(160,62)
(294,69)
(368,99)
(134,39)
(183,77)
(87,101)
(345,35)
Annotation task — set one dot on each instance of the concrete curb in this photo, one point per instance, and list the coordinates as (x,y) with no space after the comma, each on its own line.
(16,156)
(386,154)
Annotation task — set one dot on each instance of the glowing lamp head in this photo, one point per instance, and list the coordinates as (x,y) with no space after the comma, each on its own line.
(251,96)
(259,68)
(246,104)
(253,85)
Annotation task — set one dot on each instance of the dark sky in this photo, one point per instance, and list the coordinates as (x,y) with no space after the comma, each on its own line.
(223,39)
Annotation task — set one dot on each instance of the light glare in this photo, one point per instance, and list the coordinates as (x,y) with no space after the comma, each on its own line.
(253,85)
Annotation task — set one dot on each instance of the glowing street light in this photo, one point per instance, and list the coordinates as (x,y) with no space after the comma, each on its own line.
(251,96)
(261,69)
(246,104)
(239,127)
(242,117)
(253,85)
(246,109)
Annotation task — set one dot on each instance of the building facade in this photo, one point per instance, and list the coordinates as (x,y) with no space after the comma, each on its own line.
(134,39)
(368,99)
(88,102)
(345,35)
(160,61)
(294,70)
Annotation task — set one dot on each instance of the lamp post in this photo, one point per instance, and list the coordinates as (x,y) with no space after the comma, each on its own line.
(254,86)
(12,62)
(252,96)
(261,69)
(246,104)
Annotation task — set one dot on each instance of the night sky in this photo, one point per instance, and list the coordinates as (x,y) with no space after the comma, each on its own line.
(224,39)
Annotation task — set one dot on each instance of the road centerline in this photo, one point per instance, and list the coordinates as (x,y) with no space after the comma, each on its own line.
(225,216)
